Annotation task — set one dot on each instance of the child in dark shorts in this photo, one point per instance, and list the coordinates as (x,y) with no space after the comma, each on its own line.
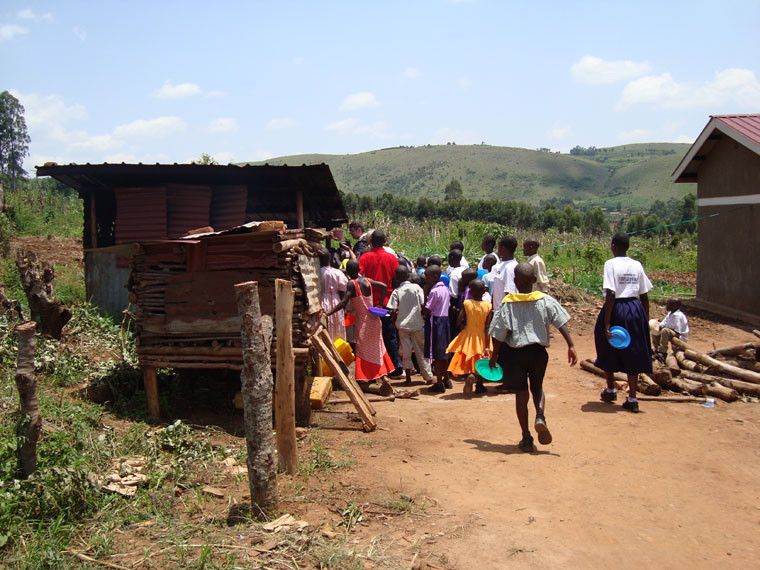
(520,333)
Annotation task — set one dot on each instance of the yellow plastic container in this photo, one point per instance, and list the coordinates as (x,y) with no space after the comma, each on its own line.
(346,354)
(321,388)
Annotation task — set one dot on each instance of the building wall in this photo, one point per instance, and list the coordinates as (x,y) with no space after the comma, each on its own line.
(106,283)
(728,272)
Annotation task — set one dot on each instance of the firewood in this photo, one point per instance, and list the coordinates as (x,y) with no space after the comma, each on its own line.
(722,392)
(690,353)
(756,333)
(681,384)
(645,384)
(687,364)
(746,388)
(672,364)
(734,350)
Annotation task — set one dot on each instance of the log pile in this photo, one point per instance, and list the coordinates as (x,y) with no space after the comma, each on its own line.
(183,290)
(726,373)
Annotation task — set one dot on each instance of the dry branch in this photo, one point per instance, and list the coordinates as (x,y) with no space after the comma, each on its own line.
(37,280)
(645,384)
(746,388)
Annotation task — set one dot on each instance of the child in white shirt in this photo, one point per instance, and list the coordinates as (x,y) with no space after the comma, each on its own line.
(675,324)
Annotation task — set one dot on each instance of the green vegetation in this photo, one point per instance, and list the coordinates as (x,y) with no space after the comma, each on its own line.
(631,175)
(39,207)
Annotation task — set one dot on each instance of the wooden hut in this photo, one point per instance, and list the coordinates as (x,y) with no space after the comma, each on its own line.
(724,161)
(178,237)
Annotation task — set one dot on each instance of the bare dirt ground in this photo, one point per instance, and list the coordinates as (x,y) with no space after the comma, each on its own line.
(443,481)
(675,486)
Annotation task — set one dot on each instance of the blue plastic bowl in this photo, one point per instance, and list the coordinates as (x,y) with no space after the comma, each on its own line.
(379,311)
(621,338)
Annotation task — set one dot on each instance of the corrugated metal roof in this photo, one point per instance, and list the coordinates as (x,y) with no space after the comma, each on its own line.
(188,208)
(745,129)
(745,125)
(228,207)
(271,189)
(135,222)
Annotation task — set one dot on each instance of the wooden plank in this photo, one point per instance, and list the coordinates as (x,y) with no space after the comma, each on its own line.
(310,274)
(352,390)
(325,336)
(150,379)
(284,388)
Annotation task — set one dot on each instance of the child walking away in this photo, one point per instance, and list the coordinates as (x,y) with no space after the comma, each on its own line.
(436,313)
(406,309)
(503,279)
(473,342)
(675,324)
(333,284)
(520,332)
(372,360)
(626,304)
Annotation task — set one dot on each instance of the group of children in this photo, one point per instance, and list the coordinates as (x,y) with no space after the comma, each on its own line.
(448,320)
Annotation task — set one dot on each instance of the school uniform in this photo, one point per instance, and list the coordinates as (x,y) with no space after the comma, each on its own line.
(503,281)
(437,334)
(627,279)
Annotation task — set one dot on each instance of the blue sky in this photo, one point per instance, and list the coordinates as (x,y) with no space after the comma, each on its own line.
(166,81)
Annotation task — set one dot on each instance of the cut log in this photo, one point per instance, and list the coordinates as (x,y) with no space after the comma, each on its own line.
(645,385)
(722,392)
(734,350)
(746,388)
(37,280)
(681,384)
(150,380)
(686,364)
(735,371)
(756,333)
(672,364)
(29,423)
(256,387)
(284,390)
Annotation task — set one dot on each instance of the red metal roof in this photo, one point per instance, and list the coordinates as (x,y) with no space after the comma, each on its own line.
(745,129)
(746,125)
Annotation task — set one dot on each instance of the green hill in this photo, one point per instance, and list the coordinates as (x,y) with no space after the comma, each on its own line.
(631,175)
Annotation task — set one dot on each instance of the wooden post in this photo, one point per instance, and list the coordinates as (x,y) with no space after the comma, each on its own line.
(150,379)
(93,223)
(256,388)
(29,424)
(299,208)
(284,389)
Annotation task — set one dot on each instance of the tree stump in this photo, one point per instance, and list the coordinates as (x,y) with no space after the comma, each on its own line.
(37,280)
(256,389)
(29,423)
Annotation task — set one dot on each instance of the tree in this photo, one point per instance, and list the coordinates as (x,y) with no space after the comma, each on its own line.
(689,212)
(14,140)
(595,223)
(453,190)
(206,159)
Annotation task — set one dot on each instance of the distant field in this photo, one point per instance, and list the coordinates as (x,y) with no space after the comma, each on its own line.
(630,175)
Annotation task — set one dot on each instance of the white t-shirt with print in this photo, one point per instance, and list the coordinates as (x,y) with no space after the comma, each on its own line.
(503,281)
(677,321)
(625,277)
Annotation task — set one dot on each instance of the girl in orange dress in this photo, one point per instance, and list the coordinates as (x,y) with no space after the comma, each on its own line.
(473,341)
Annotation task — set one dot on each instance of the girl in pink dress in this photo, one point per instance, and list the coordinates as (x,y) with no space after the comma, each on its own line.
(333,284)
(372,360)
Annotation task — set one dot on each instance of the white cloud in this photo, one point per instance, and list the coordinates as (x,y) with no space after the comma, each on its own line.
(377,130)
(361,100)
(10,31)
(412,72)
(170,91)
(47,112)
(730,87)
(223,157)
(559,133)
(223,125)
(684,139)
(29,14)
(277,124)
(596,71)
(80,33)
(133,158)
(446,134)
(160,127)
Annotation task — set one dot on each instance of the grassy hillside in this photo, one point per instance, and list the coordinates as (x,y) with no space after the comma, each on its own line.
(632,175)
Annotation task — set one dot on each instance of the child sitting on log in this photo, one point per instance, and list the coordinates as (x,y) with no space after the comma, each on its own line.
(520,333)
(675,324)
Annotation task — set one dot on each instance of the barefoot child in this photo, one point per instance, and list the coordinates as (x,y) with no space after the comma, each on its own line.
(372,360)
(520,332)
(626,304)
(470,345)
(406,310)
(436,313)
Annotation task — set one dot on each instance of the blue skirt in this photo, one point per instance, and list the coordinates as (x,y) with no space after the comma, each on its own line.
(437,337)
(637,358)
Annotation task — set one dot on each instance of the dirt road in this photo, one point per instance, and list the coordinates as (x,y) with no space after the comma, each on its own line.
(673,487)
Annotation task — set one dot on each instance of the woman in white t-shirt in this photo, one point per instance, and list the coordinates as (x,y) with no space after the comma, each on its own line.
(626,304)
